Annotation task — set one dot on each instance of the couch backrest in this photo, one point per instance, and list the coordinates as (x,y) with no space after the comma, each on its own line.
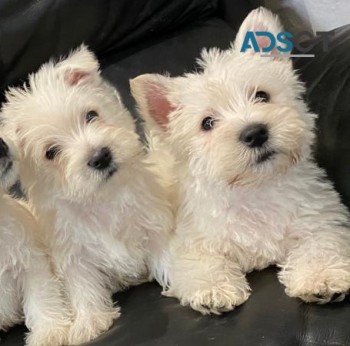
(32,31)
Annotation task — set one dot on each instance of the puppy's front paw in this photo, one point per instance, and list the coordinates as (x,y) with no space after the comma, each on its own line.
(216,299)
(53,335)
(322,286)
(90,325)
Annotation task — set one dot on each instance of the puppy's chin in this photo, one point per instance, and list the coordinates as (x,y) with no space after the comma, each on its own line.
(101,187)
(88,191)
(275,160)
(265,166)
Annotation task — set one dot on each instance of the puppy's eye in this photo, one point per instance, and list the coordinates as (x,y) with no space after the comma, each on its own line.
(262,96)
(90,116)
(52,152)
(208,123)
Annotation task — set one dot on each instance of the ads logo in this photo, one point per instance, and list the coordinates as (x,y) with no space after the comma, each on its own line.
(281,45)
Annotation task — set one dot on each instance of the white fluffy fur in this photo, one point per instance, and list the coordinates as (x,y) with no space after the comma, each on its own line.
(236,214)
(29,290)
(106,230)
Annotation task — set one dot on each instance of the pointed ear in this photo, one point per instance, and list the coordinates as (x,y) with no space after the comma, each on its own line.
(151,92)
(259,19)
(80,66)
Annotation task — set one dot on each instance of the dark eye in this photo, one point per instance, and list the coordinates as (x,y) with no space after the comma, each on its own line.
(208,123)
(52,152)
(262,96)
(90,116)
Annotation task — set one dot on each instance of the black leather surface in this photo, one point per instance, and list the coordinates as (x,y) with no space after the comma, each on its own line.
(269,318)
(32,31)
(327,77)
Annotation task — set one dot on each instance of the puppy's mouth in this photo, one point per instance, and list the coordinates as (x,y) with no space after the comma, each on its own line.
(111,171)
(265,156)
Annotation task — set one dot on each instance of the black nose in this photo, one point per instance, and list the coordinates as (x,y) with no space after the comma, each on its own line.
(4,149)
(101,159)
(254,135)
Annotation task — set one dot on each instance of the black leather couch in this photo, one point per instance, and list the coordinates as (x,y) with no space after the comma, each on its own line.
(138,36)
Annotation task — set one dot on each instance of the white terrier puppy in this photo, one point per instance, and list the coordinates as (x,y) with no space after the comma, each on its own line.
(29,290)
(251,195)
(84,171)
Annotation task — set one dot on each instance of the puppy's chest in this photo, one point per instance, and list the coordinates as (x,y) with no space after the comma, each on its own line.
(101,234)
(101,224)
(261,221)
(252,220)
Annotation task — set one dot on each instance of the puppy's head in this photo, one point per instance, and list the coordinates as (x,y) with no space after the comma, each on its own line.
(75,137)
(241,120)
(8,162)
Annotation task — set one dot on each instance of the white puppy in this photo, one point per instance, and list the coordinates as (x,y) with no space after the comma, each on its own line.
(84,171)
(251,195)
(29,290)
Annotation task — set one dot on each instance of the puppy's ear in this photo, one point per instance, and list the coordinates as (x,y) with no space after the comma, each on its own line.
(152,94)
(259,19)
(80,66)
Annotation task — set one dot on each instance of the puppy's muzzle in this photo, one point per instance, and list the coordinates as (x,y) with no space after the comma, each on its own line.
(101,159)
(254,135)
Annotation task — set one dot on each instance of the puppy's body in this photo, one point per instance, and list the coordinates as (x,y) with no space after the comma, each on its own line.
(250,194)
(29,291)
(101,247)
(115,235)
(85,172)
(258,227)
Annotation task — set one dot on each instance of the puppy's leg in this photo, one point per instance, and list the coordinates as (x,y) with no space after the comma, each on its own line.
(208,282)
(46,315)
(90,297)
(318,269)
(158,259)
(10,302)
